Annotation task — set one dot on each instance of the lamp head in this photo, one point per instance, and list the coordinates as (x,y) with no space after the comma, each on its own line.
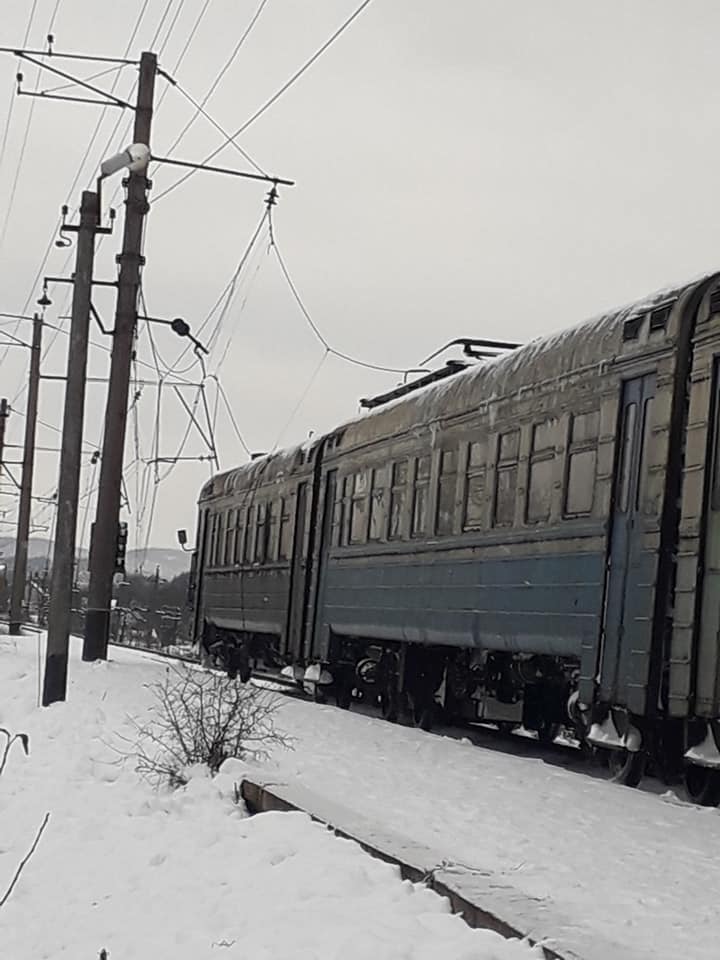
(134,158)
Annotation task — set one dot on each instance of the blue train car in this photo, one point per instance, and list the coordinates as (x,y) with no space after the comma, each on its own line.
(532,541)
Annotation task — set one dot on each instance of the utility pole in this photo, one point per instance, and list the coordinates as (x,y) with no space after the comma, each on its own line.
(4,414)
(102,569)
(56,660)
(23,527)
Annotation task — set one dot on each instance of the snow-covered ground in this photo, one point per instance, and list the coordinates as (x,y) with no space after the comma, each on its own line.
(637,870)
(187,875)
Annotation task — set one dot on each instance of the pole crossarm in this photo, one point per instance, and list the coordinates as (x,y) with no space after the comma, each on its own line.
(110,98)
(228,171)
(88,58)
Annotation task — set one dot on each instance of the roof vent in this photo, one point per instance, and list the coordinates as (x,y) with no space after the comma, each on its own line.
(631,327)
(659,317)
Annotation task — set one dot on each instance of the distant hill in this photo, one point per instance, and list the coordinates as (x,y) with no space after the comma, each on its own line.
(172,562)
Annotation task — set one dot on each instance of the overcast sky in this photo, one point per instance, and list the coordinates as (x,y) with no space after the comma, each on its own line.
(467,168)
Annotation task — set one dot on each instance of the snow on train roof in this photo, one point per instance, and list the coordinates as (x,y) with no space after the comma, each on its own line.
(544,358)
(270,466)
(581,345)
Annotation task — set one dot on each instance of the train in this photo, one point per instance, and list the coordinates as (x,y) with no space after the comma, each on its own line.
(533,540)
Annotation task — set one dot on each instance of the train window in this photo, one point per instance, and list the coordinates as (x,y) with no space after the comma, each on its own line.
(509,445)
(213,539)
(447,486)
(272,533)
(506,478)
(219,539)
(643,503)
(285,536)
(540,480)
(359,508)
(420,496)
(229,538)
(347,484)
(474,508)
(378,510)
(398,495)
(476,454)
(585,427)
(625,474)
(239,531)
(249,534)
(581,465)
(261,529)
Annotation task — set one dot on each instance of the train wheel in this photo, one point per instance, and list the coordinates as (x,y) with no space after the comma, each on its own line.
(627,767)
(702,785)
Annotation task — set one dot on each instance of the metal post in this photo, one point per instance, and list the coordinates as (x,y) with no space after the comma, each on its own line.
(102,569)
(56,659)
(4,414)
(23,526)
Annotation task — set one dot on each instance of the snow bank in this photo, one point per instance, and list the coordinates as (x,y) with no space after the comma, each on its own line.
(184,875)
(622,873)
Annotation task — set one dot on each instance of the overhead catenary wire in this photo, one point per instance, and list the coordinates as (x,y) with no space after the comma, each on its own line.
(225,299)
(200,106)
(13,94)
(83,161)
(314,327)
(301,399)
(200,109)
(273,99)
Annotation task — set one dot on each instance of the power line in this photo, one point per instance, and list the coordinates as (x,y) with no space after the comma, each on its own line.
(54,16)
(315,329)
(189,41)
(170,28)
(273,99)
(226,295)
(231,415)
(308,387)
(200,107)
(83,161)
(13,95)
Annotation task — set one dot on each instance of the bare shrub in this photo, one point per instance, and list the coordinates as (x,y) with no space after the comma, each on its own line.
(10,739)
(203,717)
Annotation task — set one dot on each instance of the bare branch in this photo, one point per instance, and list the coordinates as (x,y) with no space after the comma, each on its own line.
(21,865)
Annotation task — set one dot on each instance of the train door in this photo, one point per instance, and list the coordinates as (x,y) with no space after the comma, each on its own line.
(298,591)
(198,573)
(707,673)
(316,641)
(630,579)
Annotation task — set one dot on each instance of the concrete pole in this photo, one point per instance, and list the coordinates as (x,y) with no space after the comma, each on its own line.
(23,527)
(102,564)
(56,659)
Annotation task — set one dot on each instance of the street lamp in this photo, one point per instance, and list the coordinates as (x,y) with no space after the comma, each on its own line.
(134,159)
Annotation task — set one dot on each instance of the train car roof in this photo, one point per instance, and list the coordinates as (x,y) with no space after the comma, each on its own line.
(269,468)
(540,360)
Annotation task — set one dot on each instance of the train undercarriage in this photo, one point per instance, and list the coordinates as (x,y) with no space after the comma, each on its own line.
(427,685)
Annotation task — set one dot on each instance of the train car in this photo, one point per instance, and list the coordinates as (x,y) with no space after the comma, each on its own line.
(531,540)
(248,581)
